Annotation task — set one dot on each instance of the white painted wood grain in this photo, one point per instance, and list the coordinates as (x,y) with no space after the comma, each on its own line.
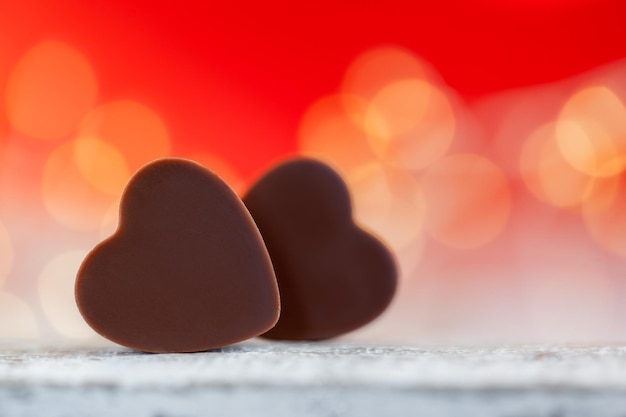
(309,379)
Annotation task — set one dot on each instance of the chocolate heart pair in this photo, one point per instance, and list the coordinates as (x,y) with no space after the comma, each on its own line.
(189,267)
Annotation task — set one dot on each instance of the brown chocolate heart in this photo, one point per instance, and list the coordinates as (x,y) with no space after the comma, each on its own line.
(333,276)
(185,271)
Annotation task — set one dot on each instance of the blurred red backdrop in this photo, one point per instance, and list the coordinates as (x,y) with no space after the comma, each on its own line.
(235,77)
(484,141)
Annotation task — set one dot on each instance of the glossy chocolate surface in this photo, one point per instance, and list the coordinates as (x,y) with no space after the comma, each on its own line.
(333,276)
(187,269)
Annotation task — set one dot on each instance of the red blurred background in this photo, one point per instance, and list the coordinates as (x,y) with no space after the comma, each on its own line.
(247,71)
(495,226)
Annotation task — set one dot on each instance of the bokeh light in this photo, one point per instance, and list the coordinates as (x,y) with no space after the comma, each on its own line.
(378,67)
(17,320)
(497,182)
(50,90)
(101,165)
(604,213)
(387,198)
(388,202)
(332,130)
(134,129)
(591,131)
(69,198)
(547,173)
(468,200)
(56,294)
(410,123)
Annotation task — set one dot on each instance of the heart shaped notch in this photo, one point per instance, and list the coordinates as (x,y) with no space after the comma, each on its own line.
(185,271)
(334,277)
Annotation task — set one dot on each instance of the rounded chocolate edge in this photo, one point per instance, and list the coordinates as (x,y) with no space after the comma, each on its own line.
(385,248)
(244,210)
(375,314)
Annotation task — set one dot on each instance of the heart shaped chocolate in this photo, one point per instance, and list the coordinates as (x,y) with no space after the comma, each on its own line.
(185,271)
(333,276)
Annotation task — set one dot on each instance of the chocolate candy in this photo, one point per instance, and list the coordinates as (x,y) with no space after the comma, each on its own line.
(333,276)
(186,270)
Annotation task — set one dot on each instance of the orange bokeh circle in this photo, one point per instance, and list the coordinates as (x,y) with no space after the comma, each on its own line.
(468,200)
(50,90)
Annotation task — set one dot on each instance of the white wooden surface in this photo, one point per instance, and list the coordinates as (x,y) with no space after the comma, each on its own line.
(300,379)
